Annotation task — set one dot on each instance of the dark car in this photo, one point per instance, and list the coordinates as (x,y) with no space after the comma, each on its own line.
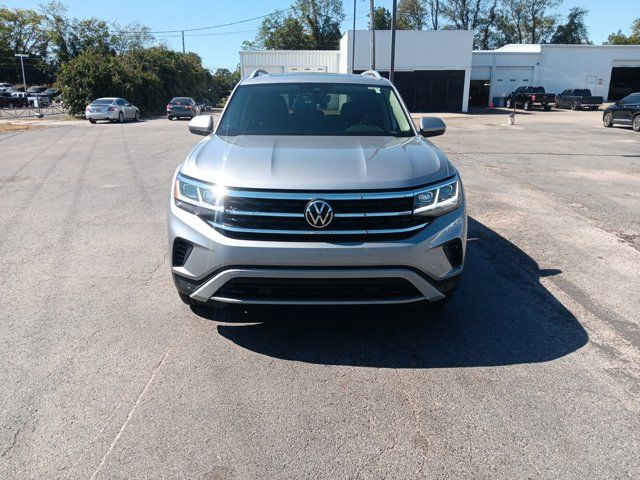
(530,97)
(180,107)
(9,101)
(578,98)
(36,89)
(624,112)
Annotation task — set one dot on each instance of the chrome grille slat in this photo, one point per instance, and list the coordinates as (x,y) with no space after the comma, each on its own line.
(270,231)
(301,215)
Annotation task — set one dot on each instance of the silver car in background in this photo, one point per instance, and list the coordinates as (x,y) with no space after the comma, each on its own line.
(112,109)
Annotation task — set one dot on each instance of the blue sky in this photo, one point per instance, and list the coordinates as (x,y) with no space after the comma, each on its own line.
(220,46)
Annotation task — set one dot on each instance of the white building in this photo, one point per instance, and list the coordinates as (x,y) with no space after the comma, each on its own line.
(439,71)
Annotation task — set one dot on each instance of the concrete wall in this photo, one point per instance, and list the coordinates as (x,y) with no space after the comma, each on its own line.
(575,66)
(415,50)
(558,67)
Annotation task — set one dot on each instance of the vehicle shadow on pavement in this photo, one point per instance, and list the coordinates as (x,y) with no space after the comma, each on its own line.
(501,315)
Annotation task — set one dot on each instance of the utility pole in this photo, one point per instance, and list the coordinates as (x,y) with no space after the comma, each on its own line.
(373,34)
(353,40)
(183,42)
(393,41)
(24,80)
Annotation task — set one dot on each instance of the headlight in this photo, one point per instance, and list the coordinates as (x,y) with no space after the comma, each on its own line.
(197,197)
(438,199)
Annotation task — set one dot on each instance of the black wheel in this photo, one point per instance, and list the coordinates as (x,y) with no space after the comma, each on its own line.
(546,107)
(11,105)
(92,121)
(607,120)
(636,123)
(595,107)
(136,118)
(527,105)
(574,106)
(120,118)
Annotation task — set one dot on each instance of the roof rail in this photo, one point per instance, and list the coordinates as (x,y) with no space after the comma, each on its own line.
(258,72)
(371,73)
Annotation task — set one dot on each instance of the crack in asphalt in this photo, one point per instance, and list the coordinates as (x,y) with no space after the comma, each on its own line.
(131,413)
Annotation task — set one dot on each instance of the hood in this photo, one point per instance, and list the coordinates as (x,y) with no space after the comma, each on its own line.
(316,162)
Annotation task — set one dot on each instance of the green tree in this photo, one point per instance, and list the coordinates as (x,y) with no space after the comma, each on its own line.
(321,20)
(574,31)
(312,25)
(622,39)
(526,21)
(280,32)
(381,19)
(21,31)
(411,15)
(147,77)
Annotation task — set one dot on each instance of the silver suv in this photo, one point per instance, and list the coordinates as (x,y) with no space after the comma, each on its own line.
(316,189)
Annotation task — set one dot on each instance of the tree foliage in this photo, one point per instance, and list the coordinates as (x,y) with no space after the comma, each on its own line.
(411,15)
(620,38)
(311,25)
(147,77)
(574,31)
(381,19)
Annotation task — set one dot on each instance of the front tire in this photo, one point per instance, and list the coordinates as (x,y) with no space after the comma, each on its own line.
(636,123)
(607,120)
(546,107)
(92,121)
(136,118)
(120,118)
(574,106)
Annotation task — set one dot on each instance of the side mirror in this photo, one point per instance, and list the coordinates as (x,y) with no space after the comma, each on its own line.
(432,127)
(202,125)
(127,104)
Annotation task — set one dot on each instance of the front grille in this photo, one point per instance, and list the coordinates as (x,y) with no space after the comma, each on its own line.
(319,289)
(278,215)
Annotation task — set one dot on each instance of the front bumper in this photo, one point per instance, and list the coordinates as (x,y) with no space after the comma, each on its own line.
(214,260)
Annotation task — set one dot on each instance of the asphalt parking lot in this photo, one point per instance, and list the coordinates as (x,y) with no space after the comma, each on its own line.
(533,371)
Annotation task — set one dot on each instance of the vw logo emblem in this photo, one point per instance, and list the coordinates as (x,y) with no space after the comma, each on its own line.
(318,213)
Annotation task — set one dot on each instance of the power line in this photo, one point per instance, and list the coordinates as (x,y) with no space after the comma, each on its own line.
(136,32)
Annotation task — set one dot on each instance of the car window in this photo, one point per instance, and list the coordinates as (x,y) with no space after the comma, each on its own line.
(315,109)
(633,98)
(102,101)
(181,100)
(583,93)
(120,102)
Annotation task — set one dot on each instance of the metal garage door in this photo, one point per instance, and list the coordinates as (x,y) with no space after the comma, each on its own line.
(507,79)
(624,80)
(430,90)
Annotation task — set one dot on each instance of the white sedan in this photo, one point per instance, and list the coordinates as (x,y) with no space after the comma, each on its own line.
(112,109)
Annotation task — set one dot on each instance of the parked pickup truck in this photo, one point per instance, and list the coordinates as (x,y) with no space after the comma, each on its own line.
(578,98)
(530,97)
(7,100)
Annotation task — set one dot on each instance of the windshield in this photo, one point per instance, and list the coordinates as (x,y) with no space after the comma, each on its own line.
(314,109)
(582,93)
(102,101)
